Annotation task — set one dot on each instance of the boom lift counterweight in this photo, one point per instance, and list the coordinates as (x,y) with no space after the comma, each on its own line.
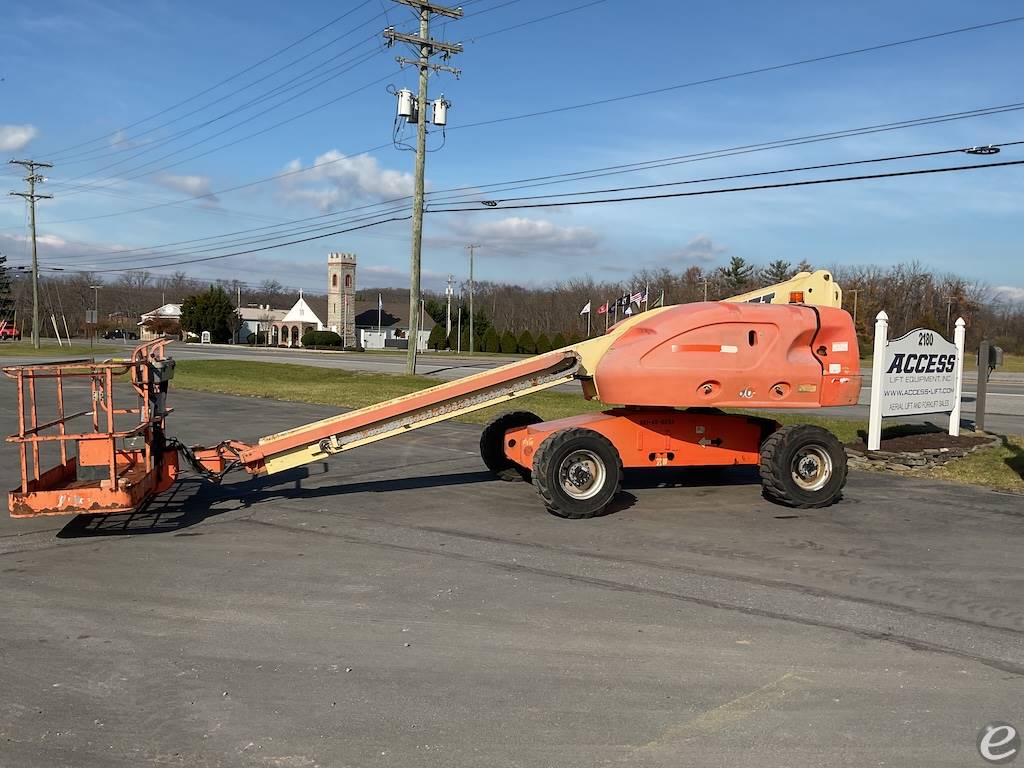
(670,370)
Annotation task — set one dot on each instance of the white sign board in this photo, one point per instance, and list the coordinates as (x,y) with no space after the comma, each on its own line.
(920,372)
(205,338)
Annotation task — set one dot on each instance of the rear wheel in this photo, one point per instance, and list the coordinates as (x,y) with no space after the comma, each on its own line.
(577,472)
(492,444)
(803,466)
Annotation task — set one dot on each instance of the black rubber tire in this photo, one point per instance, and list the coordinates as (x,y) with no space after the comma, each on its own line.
(492,444)
(547,462)
(778,452)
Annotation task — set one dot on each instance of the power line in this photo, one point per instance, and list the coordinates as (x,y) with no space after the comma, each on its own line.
(781,185)
(153,250)
(735,75)
(213,87)
(635,198)
(600,171)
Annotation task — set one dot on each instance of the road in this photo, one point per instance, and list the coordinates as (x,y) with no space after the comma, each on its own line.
(1004,412)
(397,607)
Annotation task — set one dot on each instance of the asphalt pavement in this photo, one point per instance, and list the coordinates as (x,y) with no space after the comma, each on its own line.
(398,607)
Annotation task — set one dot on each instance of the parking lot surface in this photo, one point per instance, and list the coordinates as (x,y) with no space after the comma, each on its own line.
(399,607)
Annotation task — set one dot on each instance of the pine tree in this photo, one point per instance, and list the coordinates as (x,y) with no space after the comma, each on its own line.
(527,345)
(543,344)
(804,266)
(737,275)
(777,271)
(6,298)
(558,342)
(437,339)
(492,342)
(509,345)
(210,311)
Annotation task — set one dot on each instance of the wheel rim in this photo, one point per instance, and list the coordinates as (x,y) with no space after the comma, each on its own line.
(582,474)
(811,467)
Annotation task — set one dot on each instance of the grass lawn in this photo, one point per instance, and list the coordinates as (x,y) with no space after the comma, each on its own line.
(1001,468)
(49,348)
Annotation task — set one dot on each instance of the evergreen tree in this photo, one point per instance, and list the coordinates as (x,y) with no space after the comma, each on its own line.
(558,342)
(438,340)
(527,345)
(6,297)
(492,342)
(737,275)
(777,271)
(208,311)
(543,343)
(804,266)
(509,345)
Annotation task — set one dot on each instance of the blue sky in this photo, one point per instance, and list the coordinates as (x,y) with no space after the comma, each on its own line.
(77,70)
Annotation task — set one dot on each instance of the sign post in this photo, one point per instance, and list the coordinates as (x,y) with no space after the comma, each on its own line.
(877,366)
(918,373)
(958,341)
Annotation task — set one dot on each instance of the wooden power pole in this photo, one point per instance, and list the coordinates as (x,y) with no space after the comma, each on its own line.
(426,47)
(32,178)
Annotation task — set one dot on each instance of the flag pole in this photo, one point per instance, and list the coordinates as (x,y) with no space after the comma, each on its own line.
(380,306)
(588,321)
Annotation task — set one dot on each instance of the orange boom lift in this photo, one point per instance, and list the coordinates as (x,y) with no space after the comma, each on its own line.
(669,371)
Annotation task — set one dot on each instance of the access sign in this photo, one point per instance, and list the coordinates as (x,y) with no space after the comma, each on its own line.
(919,375)
(920,372)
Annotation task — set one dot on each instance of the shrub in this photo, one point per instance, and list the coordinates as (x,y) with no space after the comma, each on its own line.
(558,342)
(543,344)
(321,339)
(526,343)
(509,345)
(492,342)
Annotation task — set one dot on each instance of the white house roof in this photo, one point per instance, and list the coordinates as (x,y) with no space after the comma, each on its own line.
(301,313)
(262,315)
(167,310)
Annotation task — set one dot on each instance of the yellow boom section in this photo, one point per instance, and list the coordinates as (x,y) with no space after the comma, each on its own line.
(817,288)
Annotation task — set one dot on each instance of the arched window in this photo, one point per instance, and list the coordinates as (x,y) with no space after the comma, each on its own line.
(334,281)
(348,281)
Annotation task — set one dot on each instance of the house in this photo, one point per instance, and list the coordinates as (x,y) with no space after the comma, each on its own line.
(164,320)
(257,319)
(393,329)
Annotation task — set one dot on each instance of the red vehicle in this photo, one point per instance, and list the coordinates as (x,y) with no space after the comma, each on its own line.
(8,332)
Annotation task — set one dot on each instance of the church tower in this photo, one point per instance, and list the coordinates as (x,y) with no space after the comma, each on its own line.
(341,296)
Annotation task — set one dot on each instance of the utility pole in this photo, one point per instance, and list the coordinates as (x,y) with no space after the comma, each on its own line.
(949,306)
(855,291)
(95,312)
(448,317)
(426,47)
(471,248)
(33,177)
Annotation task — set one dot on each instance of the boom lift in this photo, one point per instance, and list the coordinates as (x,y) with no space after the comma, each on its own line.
(669,370)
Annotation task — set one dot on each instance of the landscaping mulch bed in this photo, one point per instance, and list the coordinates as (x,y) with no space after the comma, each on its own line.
(921,442)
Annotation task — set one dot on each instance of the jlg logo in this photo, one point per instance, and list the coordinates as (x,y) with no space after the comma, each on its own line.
(915,363)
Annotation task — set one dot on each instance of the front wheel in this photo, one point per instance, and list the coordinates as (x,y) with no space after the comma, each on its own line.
(577,472)
(803,466)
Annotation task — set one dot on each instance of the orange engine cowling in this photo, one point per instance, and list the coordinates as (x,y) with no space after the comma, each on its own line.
(716,354)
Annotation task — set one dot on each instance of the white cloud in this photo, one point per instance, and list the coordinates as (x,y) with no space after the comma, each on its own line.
(337,179)
(700,248)
(522,235)
(16,137)
(1009,293)
(196,186)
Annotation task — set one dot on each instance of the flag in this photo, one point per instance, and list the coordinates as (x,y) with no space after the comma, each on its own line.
(628,312)
(660,302)
(603,309)
(622,301)
(586,309)
(636,298)
(380,302)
